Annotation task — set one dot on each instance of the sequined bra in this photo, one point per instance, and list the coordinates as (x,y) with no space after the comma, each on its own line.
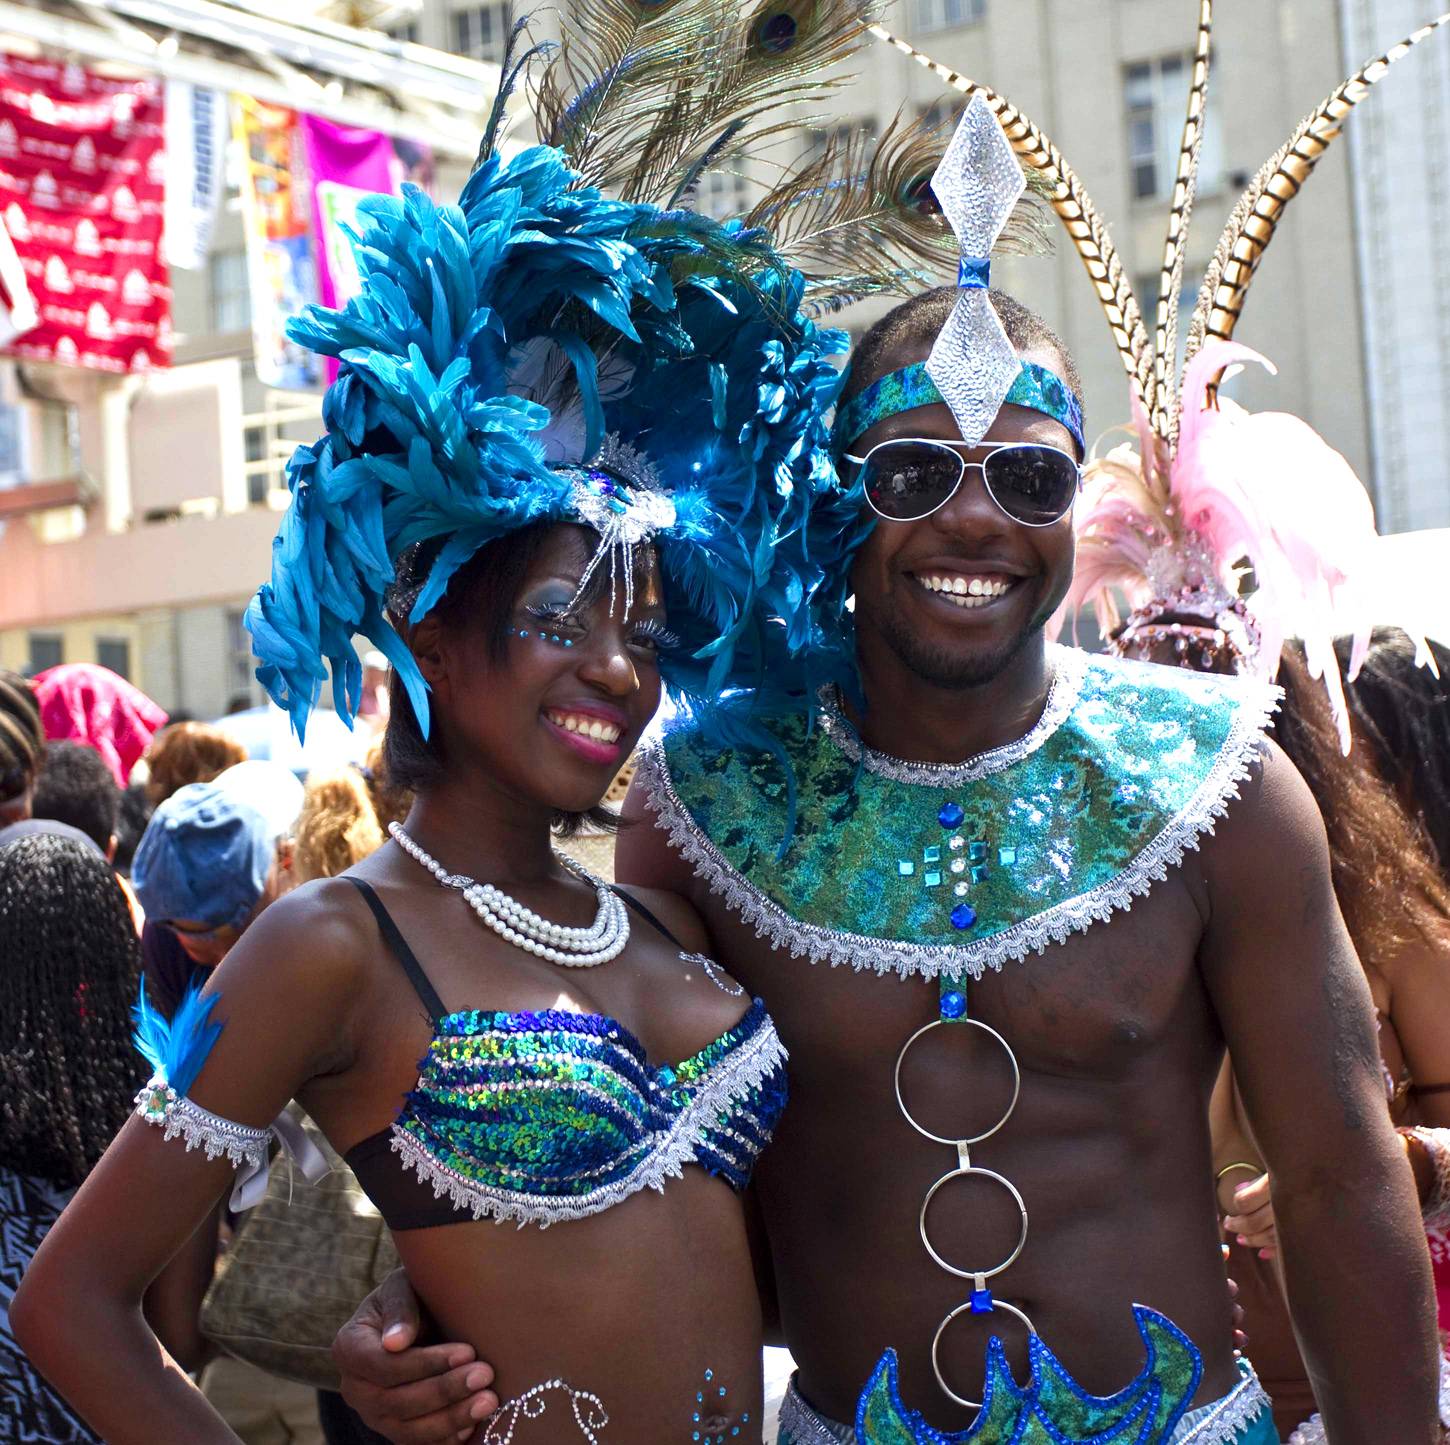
(544,1116)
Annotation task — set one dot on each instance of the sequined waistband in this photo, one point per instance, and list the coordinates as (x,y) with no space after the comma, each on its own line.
(1221,1422)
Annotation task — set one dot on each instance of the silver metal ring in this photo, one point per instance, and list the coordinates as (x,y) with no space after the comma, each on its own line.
(1011,1059)
(964,1173)
(941,1330)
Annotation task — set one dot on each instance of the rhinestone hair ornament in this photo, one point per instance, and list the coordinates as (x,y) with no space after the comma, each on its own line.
(1209,486)
(978,183)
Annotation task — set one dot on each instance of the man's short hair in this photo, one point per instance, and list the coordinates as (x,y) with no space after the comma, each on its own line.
(76,786)
(915,323)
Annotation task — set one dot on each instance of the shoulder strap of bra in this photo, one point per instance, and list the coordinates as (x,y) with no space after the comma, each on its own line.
(399,946)
(645,913)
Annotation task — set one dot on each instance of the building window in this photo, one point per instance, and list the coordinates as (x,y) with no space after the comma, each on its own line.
(724,192)
(405,34)
(47,649)
(482,31)
(1156,92)
(231,306)
(944,14)
(114,653)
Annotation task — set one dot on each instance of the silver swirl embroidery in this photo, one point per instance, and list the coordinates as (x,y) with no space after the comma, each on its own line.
(715,974)
(589,1413)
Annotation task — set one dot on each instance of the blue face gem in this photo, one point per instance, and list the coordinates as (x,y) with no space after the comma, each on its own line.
(932,878)
(979,873)
(951,815)
(953,1005)
(963,916)
(977,851)
(1006,856)
(905,867)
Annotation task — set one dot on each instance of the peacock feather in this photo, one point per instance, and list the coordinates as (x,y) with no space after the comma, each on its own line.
(1052,1409)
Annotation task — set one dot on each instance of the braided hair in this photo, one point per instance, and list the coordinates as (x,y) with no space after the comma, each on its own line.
(72,961)
(1403,713)
(22,739)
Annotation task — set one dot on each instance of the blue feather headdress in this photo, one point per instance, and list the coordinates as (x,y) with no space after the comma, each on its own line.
(504,349)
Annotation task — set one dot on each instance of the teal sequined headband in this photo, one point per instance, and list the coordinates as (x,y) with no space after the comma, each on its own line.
(905,390)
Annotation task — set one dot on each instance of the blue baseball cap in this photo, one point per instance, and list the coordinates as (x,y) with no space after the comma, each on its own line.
(208,848)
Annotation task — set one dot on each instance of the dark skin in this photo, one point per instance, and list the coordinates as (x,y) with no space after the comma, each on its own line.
(1118,1031)
(633,1304)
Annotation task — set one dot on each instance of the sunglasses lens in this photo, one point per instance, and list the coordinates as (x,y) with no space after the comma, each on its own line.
(1033,485)
(908,480)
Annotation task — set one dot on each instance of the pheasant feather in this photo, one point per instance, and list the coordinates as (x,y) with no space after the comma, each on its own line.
(1256,217)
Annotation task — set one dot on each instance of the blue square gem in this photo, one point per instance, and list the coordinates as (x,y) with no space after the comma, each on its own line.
(951,815)
(1006,856)
(977,851)
(963,916)
(931,855)
(932,878)
(905,867)
(979,873)
(981,1301)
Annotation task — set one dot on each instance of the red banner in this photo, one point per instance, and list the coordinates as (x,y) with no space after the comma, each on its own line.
(81,188)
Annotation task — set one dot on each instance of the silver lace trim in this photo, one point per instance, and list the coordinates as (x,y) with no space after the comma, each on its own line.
(1222,1422)
(729,1083)
(589,1412)
(179,1118)
(1069,667)
(1032,935)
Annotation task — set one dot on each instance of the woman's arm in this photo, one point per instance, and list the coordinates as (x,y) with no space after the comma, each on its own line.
(173,1303)
(288,998)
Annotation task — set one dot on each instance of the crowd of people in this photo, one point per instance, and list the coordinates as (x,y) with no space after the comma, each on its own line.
(965,1000)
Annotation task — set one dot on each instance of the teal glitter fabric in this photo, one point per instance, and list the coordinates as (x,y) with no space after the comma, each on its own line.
(911,387)
(1053,1409)
(543,1116)
(924,869)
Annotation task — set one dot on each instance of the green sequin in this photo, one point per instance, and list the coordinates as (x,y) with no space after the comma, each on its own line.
(1131,763)
(1053,1409)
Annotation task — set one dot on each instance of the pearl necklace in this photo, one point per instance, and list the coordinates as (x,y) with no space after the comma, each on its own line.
(601,941)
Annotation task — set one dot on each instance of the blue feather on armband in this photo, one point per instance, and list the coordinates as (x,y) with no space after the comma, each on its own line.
(176,1048)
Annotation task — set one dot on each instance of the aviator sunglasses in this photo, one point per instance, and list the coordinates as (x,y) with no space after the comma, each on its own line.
(909,478)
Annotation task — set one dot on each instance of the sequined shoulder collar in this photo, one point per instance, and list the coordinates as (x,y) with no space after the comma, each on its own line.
(919,868)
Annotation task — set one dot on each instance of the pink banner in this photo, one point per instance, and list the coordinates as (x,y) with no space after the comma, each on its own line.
(345,164)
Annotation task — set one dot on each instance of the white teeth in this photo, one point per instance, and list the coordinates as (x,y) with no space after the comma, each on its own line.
(966,592)
(586,727)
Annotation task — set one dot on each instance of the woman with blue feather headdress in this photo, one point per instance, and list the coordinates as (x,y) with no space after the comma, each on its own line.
(576,452)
